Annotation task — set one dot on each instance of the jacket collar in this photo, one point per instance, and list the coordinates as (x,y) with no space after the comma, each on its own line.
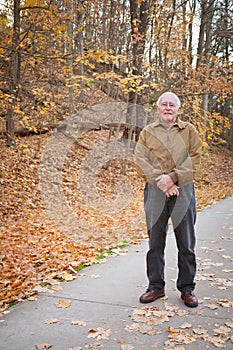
(179,123)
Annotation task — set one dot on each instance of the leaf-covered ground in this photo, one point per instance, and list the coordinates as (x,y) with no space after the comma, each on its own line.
(84,215)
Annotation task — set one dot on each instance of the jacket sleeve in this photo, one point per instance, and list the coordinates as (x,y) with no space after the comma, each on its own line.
(186,171)
(145,167)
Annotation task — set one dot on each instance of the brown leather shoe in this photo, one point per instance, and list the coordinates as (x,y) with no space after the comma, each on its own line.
(189,298)
(151,295)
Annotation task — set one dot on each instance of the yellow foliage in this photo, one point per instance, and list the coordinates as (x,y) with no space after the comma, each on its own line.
(34,128)
(18,111)
(43,110)
(204,144)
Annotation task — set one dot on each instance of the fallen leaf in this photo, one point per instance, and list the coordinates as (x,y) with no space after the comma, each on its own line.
(200,331)
(172,330)
(211,263)
(146,329)
(177,347)
(186,325)
(93,346)
(227,271)
(43,346)
(33,298)
(79,323)
(51,321)
(180,336)
(63,303)
(183,312)
(127,347)
(206,248)
(225,303)
(132,327)
(229,324)
(99,333)
(211,306)
(222,331)
(217,342)
(199,312)
(67,276)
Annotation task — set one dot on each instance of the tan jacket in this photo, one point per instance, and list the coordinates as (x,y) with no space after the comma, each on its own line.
(176,152)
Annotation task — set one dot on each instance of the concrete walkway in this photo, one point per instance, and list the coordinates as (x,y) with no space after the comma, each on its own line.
(105,312)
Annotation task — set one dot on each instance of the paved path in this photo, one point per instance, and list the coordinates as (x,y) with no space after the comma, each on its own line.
(104,301)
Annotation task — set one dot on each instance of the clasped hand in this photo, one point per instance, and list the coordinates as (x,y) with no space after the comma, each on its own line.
(165,184)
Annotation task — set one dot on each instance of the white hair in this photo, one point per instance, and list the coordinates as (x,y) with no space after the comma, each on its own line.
(169,93)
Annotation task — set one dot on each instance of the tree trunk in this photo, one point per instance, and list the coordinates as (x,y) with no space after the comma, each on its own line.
(204,44)
(190,30)
(139,22)
(14,74)
(173,12)
(201,38)
(70,44)
(227,30)
(79,46)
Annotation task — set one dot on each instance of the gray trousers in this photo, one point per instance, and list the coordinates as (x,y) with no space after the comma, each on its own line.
(182,211)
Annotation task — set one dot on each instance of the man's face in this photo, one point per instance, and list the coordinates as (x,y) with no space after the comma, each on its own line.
(168,109)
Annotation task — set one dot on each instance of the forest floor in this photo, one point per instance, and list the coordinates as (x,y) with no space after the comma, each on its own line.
(55,222)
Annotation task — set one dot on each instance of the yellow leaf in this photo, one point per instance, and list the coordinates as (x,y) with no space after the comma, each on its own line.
(204,144)
(67,69)
(25,149)
(34,128)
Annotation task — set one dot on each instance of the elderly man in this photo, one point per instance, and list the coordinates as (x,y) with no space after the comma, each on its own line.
(168,154)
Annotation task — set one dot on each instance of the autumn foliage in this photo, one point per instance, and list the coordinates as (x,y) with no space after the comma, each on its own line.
(53,54)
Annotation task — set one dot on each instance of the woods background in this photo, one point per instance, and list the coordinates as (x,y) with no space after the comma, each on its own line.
(54,53)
